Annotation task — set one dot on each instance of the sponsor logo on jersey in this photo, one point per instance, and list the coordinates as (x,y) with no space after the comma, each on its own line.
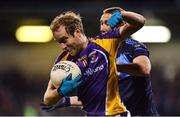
(91,71)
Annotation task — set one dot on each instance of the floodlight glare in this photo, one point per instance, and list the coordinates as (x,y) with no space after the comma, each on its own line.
(153,34)
(33,34)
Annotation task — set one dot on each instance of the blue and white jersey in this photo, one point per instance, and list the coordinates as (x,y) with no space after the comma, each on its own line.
(135,92)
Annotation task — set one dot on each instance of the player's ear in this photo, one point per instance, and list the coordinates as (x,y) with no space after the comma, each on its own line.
(77,33)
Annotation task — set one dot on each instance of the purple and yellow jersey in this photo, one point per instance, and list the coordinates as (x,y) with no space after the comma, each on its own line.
(99,91)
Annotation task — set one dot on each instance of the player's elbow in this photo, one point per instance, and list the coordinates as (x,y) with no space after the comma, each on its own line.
(49,100)
(145,71)
(141,22)
(143,65)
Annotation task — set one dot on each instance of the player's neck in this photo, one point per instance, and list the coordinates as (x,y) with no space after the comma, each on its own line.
(85,42)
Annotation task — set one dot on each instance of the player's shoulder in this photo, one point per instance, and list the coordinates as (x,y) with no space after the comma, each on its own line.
(131,42)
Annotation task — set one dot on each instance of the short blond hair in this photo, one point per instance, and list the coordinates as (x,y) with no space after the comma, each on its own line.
(70,20)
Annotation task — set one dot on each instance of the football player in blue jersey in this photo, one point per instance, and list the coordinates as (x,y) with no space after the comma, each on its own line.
(134,69)
(98,88)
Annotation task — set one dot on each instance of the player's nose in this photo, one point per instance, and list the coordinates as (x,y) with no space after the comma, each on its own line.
(102,30)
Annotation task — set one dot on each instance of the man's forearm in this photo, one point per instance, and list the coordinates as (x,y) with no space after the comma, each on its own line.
(132,23)
(133,18)
(51,97)
(132,69)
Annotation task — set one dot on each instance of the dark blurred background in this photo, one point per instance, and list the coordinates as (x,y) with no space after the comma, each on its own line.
(25,67)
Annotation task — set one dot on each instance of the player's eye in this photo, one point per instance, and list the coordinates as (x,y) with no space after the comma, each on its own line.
(62,40)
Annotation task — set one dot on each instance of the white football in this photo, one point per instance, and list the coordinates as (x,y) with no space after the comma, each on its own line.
(61,70)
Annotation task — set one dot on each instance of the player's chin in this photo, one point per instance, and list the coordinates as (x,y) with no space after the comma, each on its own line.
(73,52)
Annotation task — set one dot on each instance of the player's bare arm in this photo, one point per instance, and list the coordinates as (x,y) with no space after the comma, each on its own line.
(51,95)
(144,64)
(133,22)
(128,22)
(141,66)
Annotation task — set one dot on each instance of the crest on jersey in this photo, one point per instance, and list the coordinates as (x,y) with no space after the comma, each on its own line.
(83,59)
(93,56)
